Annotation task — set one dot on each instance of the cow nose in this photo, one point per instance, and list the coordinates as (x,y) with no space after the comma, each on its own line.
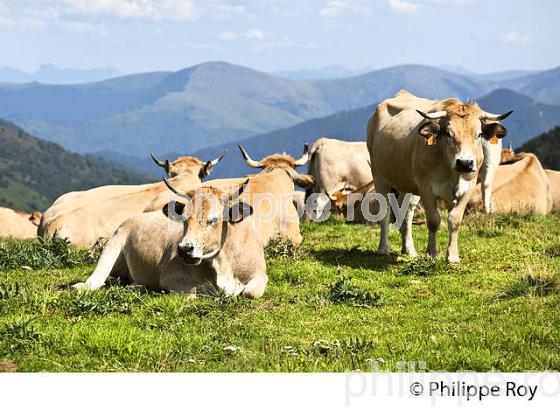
(185,250)
(464,165)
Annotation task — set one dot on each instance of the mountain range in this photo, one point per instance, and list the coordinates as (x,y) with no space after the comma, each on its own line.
(51,74)
(216,103)
(33,172)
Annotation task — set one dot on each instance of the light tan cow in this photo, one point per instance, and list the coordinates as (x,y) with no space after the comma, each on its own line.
(433,150)
(189,247)
(554,178)
(337,166)
(520,185)
(18,224)
(84,217)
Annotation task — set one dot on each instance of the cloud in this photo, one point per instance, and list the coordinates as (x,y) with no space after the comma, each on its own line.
(143,9)
(402,6)
(227,35)
(254,34)
(514,37)
(335,8)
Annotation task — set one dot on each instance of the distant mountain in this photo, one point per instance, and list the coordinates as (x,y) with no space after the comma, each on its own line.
(529,118)
(34,172)
(50,74)
(546,147)
(204,105)
(506,75)
(543,86)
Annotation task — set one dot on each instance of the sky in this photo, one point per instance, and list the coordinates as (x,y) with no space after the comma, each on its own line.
(272,35)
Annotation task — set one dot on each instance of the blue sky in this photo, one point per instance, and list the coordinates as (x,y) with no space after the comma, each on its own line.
(147,35)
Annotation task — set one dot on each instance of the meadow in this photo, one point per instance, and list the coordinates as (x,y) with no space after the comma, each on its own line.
(331,305)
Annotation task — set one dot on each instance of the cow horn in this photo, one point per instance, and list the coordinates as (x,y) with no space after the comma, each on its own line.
(157,161)
(173,189)
(305,157)
(432,115)
(251,162)
(494,117)
(235,195)
(215,161)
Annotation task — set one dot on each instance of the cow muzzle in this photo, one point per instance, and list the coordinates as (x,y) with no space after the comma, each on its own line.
(190,254)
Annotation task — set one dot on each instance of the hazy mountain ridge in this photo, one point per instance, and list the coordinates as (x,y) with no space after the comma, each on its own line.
(50,74)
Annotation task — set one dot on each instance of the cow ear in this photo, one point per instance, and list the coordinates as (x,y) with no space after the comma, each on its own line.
(303,181)
(493,130)
(429,130)
(205,170)
(174,210)
(239,211)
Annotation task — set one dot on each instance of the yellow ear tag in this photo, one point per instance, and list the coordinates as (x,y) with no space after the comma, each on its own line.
(431,140)
(494,139)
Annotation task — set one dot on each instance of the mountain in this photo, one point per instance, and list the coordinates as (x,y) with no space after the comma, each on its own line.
(506,75)
(546,147)
(530,118)
(204,105)
(543,86)
(34,172)
(50,74)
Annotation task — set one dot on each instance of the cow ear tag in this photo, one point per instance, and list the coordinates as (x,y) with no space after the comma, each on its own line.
(494,139)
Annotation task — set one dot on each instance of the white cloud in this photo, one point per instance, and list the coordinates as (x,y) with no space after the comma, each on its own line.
(227,35)
(335,8)
(144,9)
(254,34)
(402,6)
(514,37)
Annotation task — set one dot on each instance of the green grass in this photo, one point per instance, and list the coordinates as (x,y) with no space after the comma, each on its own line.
(330,306)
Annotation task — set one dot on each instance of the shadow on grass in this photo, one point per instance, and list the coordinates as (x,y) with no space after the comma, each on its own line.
(354,258)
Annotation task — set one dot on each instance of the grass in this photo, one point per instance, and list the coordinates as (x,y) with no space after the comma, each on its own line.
(330,306)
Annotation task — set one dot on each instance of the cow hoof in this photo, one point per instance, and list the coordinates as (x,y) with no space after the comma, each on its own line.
(382,252)
(81,286)
(453,259)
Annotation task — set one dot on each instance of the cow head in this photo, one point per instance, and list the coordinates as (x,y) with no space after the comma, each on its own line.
(459,127)
(283,161)
(190,165)
(205,215)
(508,155)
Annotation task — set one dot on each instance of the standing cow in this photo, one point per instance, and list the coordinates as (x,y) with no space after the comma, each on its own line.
(433,150)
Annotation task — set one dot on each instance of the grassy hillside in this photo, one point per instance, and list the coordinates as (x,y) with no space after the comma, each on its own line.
(497,311)
(34,172)
(546,147)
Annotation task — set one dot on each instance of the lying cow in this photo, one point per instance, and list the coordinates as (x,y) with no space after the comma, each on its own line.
(433,150)
(520,185)
(18,224)
(190,247)
(84,217)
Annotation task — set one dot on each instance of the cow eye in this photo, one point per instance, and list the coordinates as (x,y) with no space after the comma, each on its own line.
(449,134)
(212,221)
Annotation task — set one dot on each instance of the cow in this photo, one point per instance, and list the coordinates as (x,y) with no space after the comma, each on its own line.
(520,185)
(189,247)
(554,178)
(18,224)
(433,150)
(84,217)
(337,166)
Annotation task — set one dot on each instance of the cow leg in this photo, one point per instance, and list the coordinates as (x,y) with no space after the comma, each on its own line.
(433,220)
(486,187)
(406,226)
(105,265)
(255,287)
(384,189)
(454,223)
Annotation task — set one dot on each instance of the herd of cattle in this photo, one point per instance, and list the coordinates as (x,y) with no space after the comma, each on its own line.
(442,153)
